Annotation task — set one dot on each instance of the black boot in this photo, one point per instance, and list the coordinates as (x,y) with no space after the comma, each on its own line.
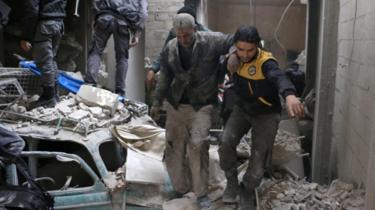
(47,99)
(232,188)
(247,198)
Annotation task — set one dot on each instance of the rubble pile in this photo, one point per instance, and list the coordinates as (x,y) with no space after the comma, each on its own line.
(299,194)
(71,113)
(289,141)
(287,146)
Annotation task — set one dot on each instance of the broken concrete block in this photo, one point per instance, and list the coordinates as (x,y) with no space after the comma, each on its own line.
(79,114)
(187,202)
(120,106)
(83,106)
(63,109)
(18,109)
(93,96)
(103,77)
(96,111)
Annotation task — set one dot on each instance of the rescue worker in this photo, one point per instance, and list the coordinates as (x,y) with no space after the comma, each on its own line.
(120,18)
(150,78)
(189,82)
(258,81)
(44,27)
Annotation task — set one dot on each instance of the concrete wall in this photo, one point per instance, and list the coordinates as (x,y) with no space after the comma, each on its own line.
(160,14)
(354,109)
(227,16)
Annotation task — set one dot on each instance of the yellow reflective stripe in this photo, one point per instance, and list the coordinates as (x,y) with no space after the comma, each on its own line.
(250,88)
(264,101)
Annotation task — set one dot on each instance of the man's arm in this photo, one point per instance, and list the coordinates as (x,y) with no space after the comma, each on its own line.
(286,89)
(162,86)
(165,79)
(223,42)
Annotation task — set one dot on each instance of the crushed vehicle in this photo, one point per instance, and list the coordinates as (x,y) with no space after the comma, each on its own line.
(70,149)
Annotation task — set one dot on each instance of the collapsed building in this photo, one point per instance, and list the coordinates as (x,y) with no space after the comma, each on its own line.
(112,152)
(76,122)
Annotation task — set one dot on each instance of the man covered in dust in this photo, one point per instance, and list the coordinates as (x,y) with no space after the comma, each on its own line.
(189,83)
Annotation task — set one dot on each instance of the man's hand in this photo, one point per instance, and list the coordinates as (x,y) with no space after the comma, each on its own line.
(150,79)
(233,63)
(133,42)
(294,107)
(25,45)
(155,112)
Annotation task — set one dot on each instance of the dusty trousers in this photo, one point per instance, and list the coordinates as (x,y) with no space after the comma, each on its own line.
(105,26)
(186,154)
(45,46)
(263,133)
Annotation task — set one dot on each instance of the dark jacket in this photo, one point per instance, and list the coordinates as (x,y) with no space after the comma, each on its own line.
(259,83)
(134,12)
(37,10)
(200,82)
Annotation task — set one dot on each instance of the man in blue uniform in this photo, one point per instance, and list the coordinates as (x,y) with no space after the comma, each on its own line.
(43,28)
(120,18)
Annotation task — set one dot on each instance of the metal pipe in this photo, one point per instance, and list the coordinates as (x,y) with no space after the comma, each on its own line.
(76,9)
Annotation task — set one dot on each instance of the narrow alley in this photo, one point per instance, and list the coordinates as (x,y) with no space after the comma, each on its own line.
(187,104)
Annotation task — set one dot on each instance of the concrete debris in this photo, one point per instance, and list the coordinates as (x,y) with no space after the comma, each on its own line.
(289,141)
(93,96)
(65,110)
(76,75)
(78,115)
(75,116)
(103,76)
(288,194)
(187,202)
(17,108)
(69,49)
(137,108)
(287,146)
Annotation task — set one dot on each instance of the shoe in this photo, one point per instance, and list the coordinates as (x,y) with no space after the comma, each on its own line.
(46,103)
(174,195)
(247,199)
(204,203)
(47,99)
(230,194)
(120,93)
